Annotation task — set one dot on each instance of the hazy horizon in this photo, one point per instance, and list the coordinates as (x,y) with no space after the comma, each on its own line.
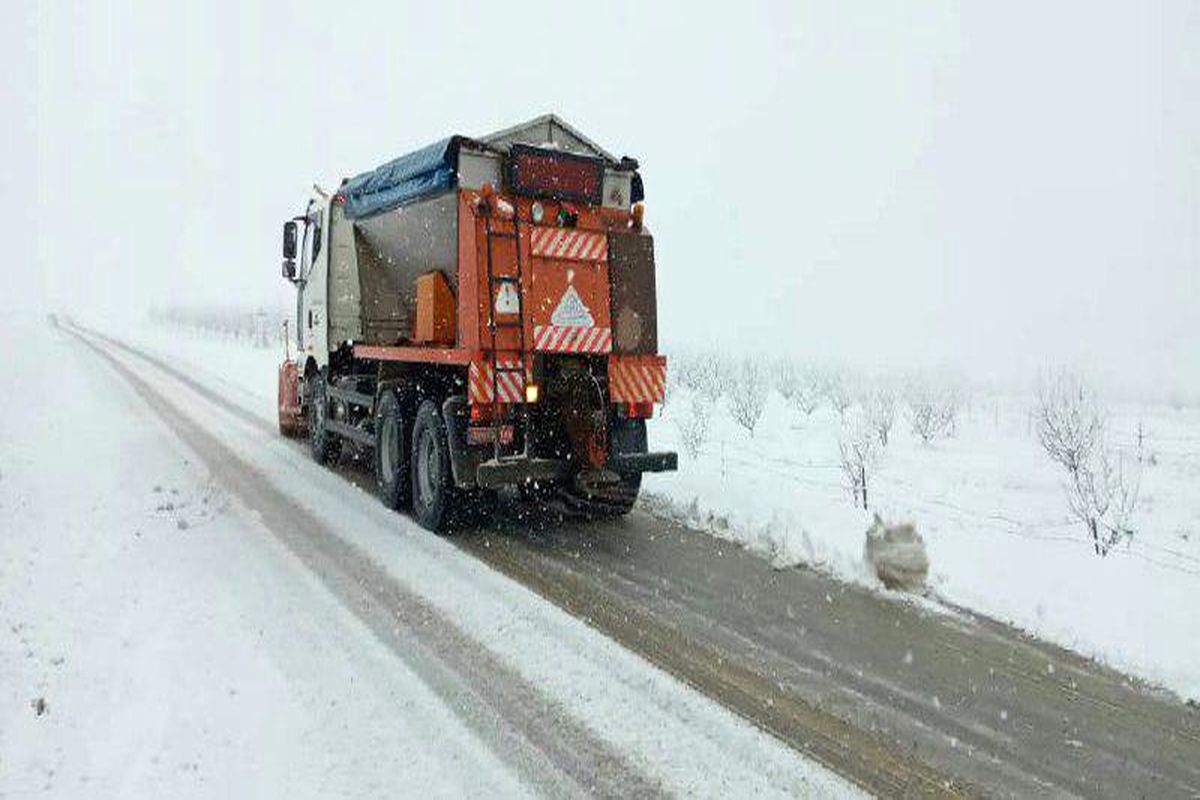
(992,189)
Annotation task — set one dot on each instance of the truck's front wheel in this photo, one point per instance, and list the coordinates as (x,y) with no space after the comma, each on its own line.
(432,481)
(325,445)
(392,453)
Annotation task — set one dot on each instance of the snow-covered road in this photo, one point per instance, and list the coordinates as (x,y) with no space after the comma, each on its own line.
(187,640)
(360,655)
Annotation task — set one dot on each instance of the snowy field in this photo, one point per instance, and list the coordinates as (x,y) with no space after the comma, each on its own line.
(158,640)
(988,501)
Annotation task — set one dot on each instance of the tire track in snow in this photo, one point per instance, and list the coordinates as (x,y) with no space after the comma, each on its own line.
(857,755)
(1127,743)
(548,747)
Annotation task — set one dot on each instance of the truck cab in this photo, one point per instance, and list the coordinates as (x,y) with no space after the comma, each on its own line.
(309,271)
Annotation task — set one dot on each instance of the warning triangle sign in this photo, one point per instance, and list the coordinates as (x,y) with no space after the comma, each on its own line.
(571,311)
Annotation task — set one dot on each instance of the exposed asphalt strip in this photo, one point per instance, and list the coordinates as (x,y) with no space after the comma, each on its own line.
(549,748)
(895,698)
(858,755)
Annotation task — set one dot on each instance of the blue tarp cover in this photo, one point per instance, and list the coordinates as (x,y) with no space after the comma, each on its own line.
(424,172)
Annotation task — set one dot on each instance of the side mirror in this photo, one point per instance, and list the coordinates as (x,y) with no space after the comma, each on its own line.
(289,269)
(289,240)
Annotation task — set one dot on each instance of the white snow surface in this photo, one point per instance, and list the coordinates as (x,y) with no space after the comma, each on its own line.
(182,651)
(987,501)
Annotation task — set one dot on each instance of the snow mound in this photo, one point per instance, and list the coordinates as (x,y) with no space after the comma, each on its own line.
(897,555)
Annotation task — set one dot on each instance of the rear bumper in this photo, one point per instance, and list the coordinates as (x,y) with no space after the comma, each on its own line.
(475,466)
(635,463)
(493,474)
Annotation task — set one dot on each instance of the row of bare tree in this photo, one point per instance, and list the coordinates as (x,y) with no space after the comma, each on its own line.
(1101,484)
(746,383)
(254,326)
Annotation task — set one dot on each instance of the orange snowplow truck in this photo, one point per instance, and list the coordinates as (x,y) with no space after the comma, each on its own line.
(480,314)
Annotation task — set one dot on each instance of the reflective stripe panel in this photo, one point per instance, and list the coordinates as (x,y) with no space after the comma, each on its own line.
(568,243)
(510,386)
(637,379)
(572,339)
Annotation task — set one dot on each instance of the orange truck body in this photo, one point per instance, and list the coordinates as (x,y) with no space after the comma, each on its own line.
(507,283)
(554,263)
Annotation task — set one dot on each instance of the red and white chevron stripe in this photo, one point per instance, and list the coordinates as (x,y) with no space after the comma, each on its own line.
(510,386)
(572,339)
(637,379)
(568,243)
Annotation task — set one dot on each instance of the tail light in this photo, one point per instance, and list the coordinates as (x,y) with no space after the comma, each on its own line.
(638,410)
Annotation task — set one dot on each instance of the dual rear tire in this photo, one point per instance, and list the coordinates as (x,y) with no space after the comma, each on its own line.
(392,453)
(413,469)
(412,464)
(432,478)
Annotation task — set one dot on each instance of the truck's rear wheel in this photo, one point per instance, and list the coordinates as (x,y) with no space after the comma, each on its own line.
(392,453)
(325,446)
(433,492)
(626,436)
(615,500)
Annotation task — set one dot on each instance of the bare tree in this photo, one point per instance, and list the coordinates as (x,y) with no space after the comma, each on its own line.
(1104,497)
(838,393)
(881,412)
(710,375)
(685,370)
(729,375)
(808,391)
(1068,421)
(699,371)
(1071,428)
(856,446)
(932,412)
(748,395)
(787,378)
(693,426)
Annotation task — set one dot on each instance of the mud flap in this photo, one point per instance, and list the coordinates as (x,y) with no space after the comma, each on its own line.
(464,459)
(291,411)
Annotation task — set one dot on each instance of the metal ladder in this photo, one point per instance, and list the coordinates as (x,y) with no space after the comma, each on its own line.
(495,281)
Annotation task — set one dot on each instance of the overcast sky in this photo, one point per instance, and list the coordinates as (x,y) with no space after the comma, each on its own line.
(995,186)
